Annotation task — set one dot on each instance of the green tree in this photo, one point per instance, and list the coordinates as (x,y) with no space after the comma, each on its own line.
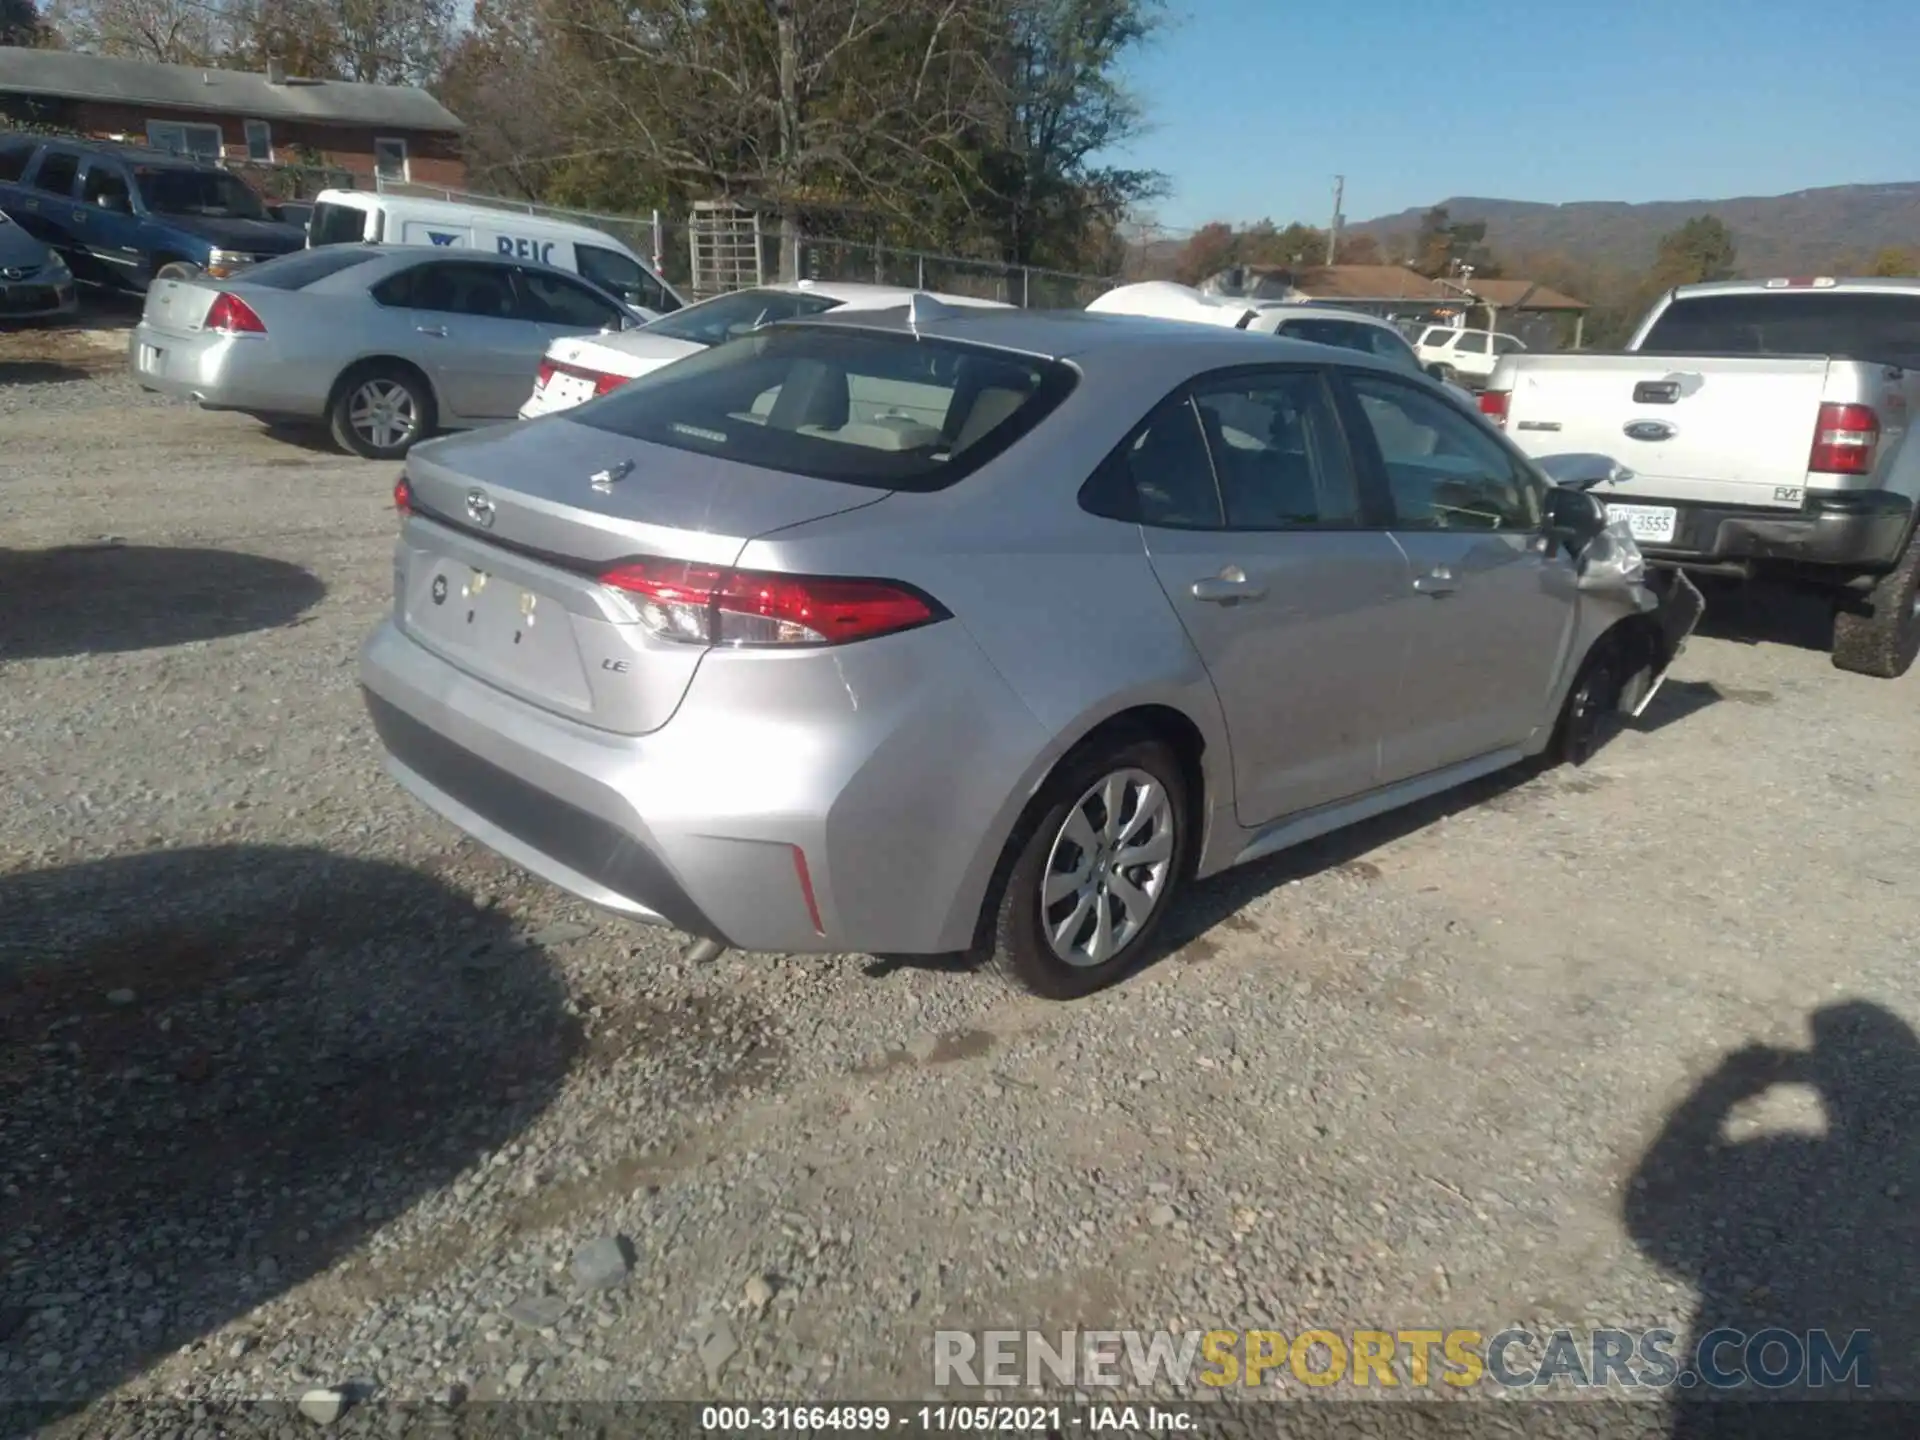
(1895,260)
(20,24)
(1701,249)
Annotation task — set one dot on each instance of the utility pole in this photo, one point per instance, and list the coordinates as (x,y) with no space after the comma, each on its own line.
(1333,230)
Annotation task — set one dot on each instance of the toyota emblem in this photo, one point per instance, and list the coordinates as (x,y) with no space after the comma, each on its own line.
(480,509)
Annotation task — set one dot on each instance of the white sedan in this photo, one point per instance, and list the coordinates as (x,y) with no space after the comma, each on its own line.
(578,368)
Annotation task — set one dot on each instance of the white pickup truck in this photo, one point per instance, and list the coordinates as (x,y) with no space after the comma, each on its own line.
(1763,426)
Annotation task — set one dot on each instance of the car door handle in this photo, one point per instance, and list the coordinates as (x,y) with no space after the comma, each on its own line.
(439,332)
(1436,582)
(1227,587)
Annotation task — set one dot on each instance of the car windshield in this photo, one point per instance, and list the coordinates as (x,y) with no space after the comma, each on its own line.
(726,317)
(211,193)
(889,411)
(1860,326)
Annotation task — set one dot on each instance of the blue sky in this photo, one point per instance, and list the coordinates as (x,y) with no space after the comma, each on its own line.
(1256,104)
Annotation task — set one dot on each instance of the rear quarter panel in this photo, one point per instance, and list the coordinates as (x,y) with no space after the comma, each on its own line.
(1062,604)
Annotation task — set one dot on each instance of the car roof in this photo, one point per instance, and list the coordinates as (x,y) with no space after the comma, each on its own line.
(1088,338)
(125,150)
(867,295)
(389,258)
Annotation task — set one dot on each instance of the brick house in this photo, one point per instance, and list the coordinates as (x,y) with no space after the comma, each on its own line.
(397,132)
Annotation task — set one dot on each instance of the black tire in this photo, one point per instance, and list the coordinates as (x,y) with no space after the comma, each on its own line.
(381,410)
(1880,635)
(178,270)
(1019,947)
(1591,712)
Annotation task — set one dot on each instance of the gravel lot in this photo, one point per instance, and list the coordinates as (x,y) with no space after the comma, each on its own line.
(298,1088)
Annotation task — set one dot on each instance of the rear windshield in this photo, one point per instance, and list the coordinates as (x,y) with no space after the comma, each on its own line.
(1884,327)
(210,193)
(890,411)
(332,224)
(726,317)
(304,267)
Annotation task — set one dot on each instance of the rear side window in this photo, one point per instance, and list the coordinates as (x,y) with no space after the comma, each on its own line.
(304,267)
(552,300)
(336,225)
(887,411)
(1472,342)
(58,170)
(1160,474)
(14,155)
(1883,327)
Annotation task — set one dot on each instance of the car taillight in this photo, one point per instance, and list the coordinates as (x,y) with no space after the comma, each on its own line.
(403,497)
(706,605)
(1493,405)
(603,383)
(231,315)
(1844,440)
(547,371)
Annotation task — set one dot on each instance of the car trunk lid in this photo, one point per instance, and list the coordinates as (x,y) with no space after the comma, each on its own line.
(498,572)
(179,307)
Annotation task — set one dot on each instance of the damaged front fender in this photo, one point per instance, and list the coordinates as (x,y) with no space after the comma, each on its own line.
(1670,606)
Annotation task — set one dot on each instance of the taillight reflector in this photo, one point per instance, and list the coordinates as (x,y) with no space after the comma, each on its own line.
(1494,404)
(706,605)
(1845,440)
(806,889)
(231,315)
(403,497)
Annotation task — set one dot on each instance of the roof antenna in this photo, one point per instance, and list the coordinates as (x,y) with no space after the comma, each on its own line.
(922,308)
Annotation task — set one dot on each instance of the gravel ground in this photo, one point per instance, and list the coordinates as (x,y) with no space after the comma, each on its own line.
(300,1089)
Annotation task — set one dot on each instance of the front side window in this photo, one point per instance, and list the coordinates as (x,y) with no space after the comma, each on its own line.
(14,155)
(887,411)
(727,317)
(1472,342)
(105,187)
(555,300)
(1389,346)
(1506,345)
(1438,338)
(620,275)
(1443,471)
(209,194)
(1278,452)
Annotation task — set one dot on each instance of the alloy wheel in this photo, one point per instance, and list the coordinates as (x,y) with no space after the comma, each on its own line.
(1109,868)
(383,413)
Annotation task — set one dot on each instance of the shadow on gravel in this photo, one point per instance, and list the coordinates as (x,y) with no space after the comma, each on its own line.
(1756,612)
(101,599)
(1782,1222)
(39,372)
(226,1069)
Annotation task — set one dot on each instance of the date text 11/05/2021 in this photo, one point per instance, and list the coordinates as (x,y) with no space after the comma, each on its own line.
(942,1419)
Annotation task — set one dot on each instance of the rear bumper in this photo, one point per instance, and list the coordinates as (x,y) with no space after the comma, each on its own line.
(881,788)
(219,372)
(1861,531)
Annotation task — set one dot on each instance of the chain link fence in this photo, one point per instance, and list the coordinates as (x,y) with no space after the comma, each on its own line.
(668,241)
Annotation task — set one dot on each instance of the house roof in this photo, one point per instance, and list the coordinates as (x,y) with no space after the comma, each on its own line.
(1396,282)
(67,75)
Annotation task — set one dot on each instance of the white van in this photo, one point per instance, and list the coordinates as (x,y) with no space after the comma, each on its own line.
(349,217)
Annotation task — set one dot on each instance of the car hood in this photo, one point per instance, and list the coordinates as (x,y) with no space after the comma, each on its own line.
(250,237)
(20,250)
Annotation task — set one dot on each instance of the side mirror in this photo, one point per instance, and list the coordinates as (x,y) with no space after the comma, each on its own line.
(1436,371)
(1605,555)
(1583,471)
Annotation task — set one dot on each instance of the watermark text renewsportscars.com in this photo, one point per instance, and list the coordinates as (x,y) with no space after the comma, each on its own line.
(1511,1359)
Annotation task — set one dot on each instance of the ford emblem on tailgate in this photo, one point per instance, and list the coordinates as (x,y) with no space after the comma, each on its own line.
(1649,430)
(480,509)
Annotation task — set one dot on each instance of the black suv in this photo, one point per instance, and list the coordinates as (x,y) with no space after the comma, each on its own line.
(124,215)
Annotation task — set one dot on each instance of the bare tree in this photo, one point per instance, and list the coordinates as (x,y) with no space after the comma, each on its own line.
(174,32)
(801,107)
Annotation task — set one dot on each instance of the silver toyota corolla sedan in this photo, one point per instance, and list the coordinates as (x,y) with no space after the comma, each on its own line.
(922,631)
(385,343)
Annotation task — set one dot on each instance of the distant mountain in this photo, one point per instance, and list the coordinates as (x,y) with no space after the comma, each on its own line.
(1809,231)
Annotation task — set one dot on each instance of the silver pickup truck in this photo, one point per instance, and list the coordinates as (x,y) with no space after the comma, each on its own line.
(1764,426)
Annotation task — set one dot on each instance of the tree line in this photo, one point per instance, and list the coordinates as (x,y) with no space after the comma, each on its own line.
(1618,297)
(973,127)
